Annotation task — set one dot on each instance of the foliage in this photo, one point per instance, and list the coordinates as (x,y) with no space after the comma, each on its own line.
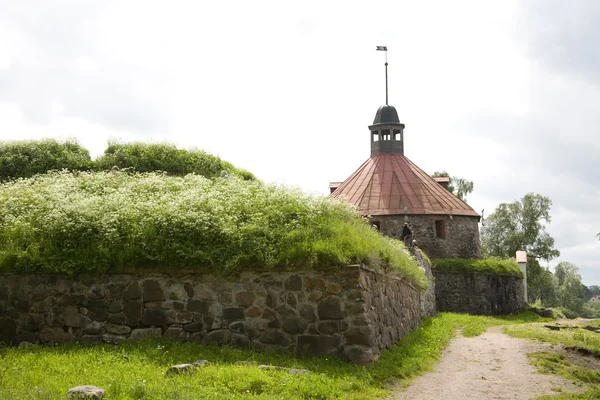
(136,370)
(150,157)
(460,187)
(570,288)
(23,159)
(488,265)
(74,222)
(520,226)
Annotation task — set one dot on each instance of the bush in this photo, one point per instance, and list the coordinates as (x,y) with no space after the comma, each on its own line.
(150,157)
(75,222)
(23,159)
(487,265)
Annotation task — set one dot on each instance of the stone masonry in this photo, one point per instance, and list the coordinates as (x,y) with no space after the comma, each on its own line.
(478,293)
(461,234)
(352,312)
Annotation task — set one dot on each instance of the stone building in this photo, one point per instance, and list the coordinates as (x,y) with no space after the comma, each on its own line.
(391,190)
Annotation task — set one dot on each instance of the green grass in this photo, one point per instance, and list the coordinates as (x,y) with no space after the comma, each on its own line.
(488,265)
(555,362)
(82,222)
(136,370)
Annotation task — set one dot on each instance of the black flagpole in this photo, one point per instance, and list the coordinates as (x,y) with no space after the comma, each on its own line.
(386,78)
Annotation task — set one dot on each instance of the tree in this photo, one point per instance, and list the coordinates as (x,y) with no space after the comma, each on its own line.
(570,289)
(595,289)
(520,226)
(460,187)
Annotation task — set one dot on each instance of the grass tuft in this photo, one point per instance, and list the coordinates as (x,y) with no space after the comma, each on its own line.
(488,265)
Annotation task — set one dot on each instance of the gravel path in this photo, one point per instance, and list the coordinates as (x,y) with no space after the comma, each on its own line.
(490,366)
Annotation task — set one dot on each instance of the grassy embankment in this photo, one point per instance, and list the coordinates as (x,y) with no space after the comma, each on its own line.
(102,221)
(137,370)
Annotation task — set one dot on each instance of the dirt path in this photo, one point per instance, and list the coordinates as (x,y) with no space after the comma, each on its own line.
(490,366)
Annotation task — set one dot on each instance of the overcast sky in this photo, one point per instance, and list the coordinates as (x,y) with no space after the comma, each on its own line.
(504,93)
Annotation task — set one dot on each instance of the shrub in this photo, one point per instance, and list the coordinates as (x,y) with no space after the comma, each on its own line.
(150,157)
(74,222)
(487,265)
(23,159)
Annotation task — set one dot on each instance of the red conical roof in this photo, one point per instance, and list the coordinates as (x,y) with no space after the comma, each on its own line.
(386,183)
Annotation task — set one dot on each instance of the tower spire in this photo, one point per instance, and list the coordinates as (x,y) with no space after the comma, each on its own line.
(384,48)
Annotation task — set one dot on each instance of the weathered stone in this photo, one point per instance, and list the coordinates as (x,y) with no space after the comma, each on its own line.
(33,322)
(117,319)
(152,291)
(179,369)
(144,333)
(272,299)
(294,325)
(253,312)
(331,327)
(359,335)
(175,333)
(201,363)
(220,336)
(115,307)
(237,326)
(195,337)
(198,305)
(244,299)
(8,330)
(182,317)
(71,300)
(354,308)
(274,323)
(117,329)
(70,316)
(286,310)
(291,299)
(193,327)
(275,337)
(315,295)
(39,293)
(293,283)
(83,311)
(178,305)
(93,328)
(307,311)
(233,313)
(334,288)
(189,289)
(156,305)
(133,292)
(272,368)
(296,371)
(112,338)
(240,340)
(360,355)
(96,292)
(86,392)
(176,291)
(90,338)
(54,335)
(154,318)
(98,313)
(315,345)
(132,310)
(268,313)
(26,344)
(330,308)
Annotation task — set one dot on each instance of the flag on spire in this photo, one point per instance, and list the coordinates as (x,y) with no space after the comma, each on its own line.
(381,48)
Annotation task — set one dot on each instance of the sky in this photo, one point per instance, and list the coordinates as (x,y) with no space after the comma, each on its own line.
(503,93)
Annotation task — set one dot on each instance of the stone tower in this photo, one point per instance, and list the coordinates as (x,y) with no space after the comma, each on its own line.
(390,189)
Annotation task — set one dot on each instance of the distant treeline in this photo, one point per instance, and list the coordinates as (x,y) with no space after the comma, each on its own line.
(23,159)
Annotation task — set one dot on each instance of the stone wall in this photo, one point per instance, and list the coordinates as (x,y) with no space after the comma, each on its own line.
(477,293)
(461,234)
(353,312)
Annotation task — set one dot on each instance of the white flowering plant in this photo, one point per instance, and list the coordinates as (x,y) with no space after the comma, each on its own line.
(75,222)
